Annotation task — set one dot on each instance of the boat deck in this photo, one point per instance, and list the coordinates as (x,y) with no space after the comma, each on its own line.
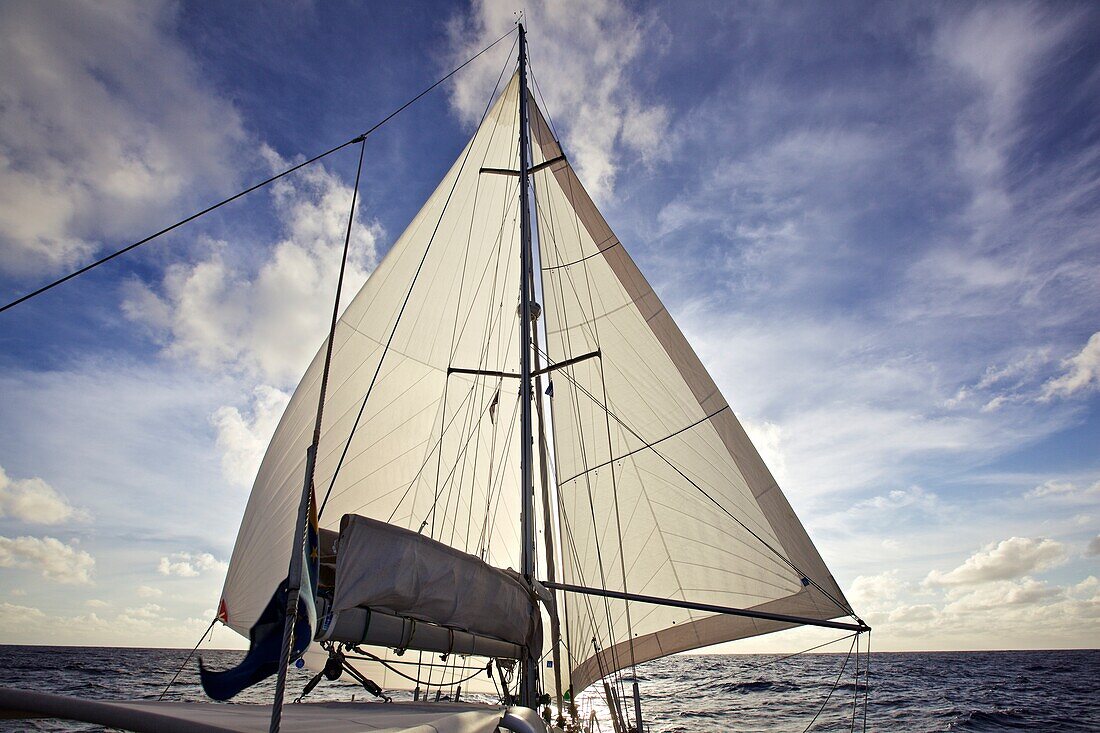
(203,717)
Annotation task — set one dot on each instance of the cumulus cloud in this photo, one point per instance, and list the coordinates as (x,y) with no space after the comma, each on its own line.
(190,565)
(146,591)
(35,501)
(96,603)
(589,92)
(998,595)
(83,132)
(869,593)
(1082,372)
(53,558)
(1006,560)
(267,324)
(243,438)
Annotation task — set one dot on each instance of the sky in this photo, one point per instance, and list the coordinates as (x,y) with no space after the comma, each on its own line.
(877,223)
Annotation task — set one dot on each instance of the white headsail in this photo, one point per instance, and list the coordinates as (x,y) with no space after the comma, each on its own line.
(660,491)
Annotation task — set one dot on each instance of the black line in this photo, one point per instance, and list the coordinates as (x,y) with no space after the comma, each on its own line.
(706,607)
(234,197)
(649,445)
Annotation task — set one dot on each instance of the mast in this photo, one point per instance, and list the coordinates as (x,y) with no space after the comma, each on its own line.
(529,682)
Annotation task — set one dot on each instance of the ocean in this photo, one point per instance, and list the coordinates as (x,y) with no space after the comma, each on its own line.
(908,692)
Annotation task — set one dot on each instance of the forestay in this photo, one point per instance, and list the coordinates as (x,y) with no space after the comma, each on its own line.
(651,460)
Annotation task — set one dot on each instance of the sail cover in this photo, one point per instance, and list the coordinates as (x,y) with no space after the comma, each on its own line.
(433,451)
(387,568)
(660,491)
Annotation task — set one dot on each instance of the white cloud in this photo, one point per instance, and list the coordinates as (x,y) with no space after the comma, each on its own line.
(586,81)
(146,591)
(89,148)
(1093,549)
(913,497)
(34,501)
(190,565)
(243,439)
(143,626)
(998,595)
(267,324)
(999,49)
(767,438)
(96,603)
(56,560)
(1082,372)
(1007,560)
(870,593)
(147,612)
(1058,489)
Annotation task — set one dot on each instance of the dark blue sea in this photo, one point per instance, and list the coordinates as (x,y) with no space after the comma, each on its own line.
(918,692)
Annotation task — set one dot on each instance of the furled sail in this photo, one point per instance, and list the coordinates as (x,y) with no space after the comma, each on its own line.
(430,450)
(660,491)
(387,568)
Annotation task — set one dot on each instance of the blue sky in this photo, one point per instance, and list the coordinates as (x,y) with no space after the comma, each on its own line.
(877,223)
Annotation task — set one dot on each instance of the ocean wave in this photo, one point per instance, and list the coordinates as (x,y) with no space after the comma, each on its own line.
(990,720)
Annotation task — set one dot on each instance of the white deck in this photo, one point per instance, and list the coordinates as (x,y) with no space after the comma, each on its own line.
(202,717)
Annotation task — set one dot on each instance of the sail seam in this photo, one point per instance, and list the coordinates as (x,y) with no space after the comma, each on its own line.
(647,446)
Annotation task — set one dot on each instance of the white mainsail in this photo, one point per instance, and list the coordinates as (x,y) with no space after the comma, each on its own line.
(659,491)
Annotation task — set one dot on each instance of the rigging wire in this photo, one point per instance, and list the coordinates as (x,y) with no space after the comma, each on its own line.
(784,658)
(855,686)
(408,296)
(697,487)
(358,138)
(188,659)
(867,682)
(833,688)
(367,656)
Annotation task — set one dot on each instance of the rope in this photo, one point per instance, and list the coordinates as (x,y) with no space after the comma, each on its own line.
(795,654)
(833,688)
(367,656)
(867,683)
(250,189)
(188,659)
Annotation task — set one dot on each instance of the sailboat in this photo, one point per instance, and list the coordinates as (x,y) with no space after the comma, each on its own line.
(505,475)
